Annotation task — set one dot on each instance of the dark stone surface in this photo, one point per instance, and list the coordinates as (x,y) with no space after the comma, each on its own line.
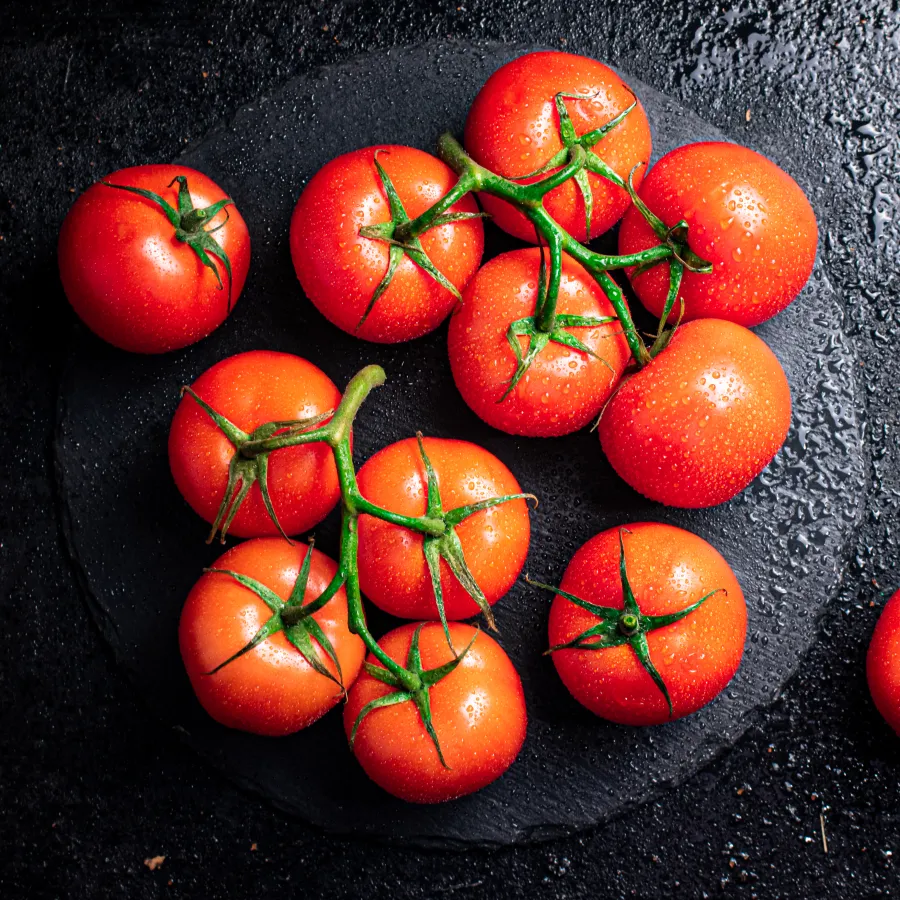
(92,785)
(785,537)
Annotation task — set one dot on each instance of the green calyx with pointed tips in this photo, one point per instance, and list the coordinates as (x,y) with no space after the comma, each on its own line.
(413,686)
(624,626)
(191,225)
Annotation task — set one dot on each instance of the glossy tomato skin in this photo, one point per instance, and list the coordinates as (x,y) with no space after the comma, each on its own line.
(668,569)
(702,420)
(127,276)
(339,270)
(883,663)
(271,689)
(564,389)
(745,215)
(513,129)
(393,572)
(250,389)
(478,713)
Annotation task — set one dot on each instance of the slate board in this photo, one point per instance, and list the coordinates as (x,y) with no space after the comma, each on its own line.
(138,548)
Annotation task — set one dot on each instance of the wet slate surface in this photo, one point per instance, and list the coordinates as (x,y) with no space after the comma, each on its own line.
(786,537)
(91,785)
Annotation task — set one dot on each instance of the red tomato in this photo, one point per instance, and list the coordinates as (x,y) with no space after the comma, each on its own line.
(564,389)
(668,570)
(702,420)
(393,572)
(478,712)
(883,663)
(746,216)
(340,271)
(271,689)
(251,389)
(130,279)
(513,129)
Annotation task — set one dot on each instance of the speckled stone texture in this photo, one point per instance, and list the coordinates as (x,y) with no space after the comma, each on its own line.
(93,786)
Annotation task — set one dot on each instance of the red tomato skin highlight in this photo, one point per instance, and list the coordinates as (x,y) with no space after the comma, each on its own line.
(270,690)
(745,215)
(393,572)
(883,663)
(127,276)
(478,713)
(668,569)
(251,389)
(702,420)
(339,270)
(513,129)
(564,389)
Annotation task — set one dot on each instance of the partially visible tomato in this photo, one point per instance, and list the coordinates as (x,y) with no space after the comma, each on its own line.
(883,663)
(745,215)
(271,689)
(564,389)
(513,128)
(128,276)
(702,420)
(668,570)
(251,389)
(393,571)
(339,270)
(478,714)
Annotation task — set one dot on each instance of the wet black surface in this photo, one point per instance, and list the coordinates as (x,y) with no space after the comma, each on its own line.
(92,785)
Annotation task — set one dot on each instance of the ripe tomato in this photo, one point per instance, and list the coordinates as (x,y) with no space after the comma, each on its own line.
(340,271)
(745,215)
(668,570)
(251,389)
(564,389)
(393,571)
(702,420)
(478,712)
(883,663)
(128,276)
(271,689)
(513,128)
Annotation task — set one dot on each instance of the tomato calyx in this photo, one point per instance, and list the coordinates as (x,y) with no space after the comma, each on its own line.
(624,626)
(293,618)
(412,684)
(191,225)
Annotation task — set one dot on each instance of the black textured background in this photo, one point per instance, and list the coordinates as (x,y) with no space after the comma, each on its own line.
(91,785)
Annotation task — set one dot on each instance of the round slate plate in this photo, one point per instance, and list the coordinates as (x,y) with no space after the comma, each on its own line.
(139,548)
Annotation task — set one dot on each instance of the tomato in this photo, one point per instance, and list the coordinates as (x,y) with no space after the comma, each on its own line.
(339,270)
(393,571)
(272,689)
(513,128)
(478,715)
(745,215)
(702,420)
(668,570)
(128,276)
(883,663)
(251,389)
(564,389)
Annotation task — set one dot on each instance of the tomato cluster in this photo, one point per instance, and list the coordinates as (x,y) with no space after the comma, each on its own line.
(649,621)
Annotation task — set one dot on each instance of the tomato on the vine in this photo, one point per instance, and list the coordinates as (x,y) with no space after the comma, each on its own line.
(745,215)
(702,420)
(142,281)
(478,714)
(680,642)
(393,570)
(513,128)
(564,388)
(293,675)
(250,390)
(341,271)
(883,663)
